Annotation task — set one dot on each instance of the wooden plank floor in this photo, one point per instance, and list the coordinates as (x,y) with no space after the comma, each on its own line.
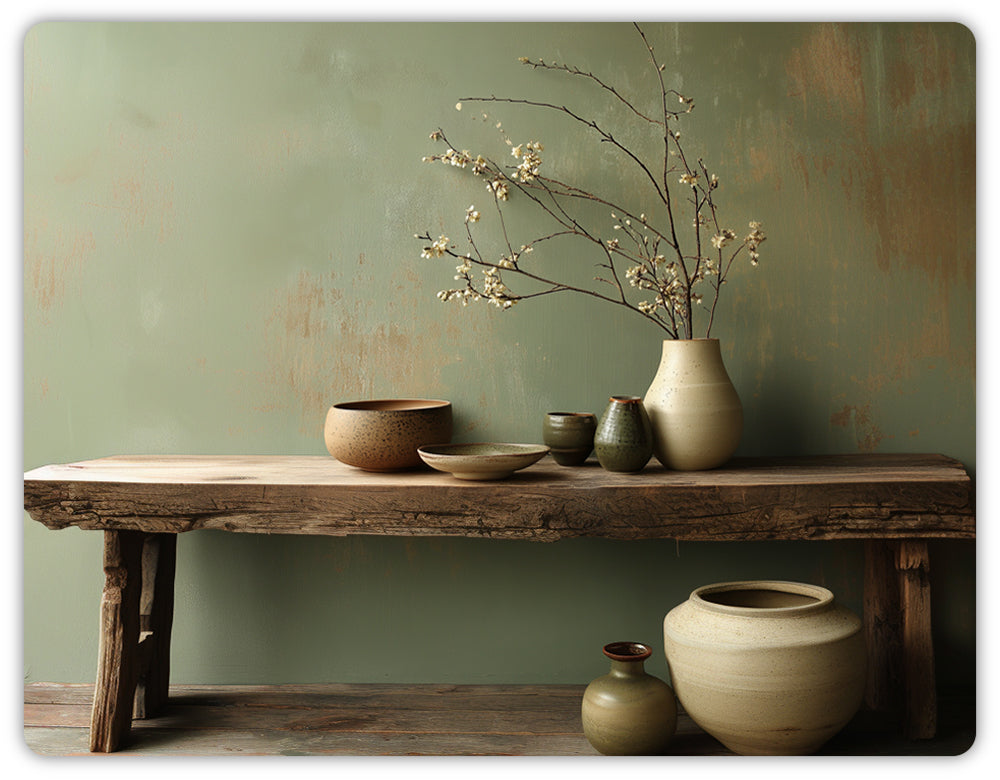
(342,719)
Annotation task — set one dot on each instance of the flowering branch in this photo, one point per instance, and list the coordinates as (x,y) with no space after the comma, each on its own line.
(653,256)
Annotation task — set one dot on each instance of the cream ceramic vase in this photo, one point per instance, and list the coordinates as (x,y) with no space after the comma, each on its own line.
(766,667)
(695,413)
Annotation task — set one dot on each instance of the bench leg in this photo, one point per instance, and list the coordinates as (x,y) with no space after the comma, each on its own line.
(156,613)
(898,633)
(919,684)
(883,630)
(111,717)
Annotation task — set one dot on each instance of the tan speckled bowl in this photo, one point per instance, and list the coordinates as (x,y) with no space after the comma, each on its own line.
(384,435)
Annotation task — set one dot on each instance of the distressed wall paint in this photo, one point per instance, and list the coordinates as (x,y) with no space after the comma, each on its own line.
(218,245)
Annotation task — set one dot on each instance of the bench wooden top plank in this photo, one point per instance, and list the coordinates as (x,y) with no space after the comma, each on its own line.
(858,496)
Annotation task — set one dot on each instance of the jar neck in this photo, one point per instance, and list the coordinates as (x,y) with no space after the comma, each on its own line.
(627,668)
(627,658)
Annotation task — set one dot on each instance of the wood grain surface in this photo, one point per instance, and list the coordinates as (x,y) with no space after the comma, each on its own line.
(426,719)
(825,497)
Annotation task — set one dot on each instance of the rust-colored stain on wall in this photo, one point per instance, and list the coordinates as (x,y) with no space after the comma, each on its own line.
(325,346)
(296,330)
(931,68)
(866,430)
(826,74)
(142,201)
(901,111)
(142,191)
(908,144)
(900,355)
(55,260)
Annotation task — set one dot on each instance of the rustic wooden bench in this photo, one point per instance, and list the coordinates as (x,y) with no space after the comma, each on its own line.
(895,503)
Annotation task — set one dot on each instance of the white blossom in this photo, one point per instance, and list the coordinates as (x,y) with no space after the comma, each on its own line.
(721,239)
(436,249)
(498,187)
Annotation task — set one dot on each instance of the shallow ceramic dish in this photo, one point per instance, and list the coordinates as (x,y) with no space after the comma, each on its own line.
(482,460)
(383,435)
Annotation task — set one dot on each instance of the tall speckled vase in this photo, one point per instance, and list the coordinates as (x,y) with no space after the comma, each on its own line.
(696,415)
(628,712)
(624,439)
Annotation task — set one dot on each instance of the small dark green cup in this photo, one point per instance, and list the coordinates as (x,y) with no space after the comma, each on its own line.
(570,436)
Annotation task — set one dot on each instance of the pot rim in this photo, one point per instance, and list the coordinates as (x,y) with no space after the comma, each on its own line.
(823,598)
(385,405)
(627,651)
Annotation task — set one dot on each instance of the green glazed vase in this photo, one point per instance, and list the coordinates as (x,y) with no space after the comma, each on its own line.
(628,712)
(624,438)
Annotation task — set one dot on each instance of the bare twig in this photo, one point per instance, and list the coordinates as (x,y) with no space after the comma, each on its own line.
(673,282)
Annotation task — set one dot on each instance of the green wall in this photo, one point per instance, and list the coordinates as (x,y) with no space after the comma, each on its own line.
(218,244)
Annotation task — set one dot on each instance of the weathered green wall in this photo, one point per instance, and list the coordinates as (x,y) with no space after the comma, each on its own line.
(218,244)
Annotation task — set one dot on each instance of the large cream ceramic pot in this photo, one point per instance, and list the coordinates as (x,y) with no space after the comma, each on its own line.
(766,667)
(695,413)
